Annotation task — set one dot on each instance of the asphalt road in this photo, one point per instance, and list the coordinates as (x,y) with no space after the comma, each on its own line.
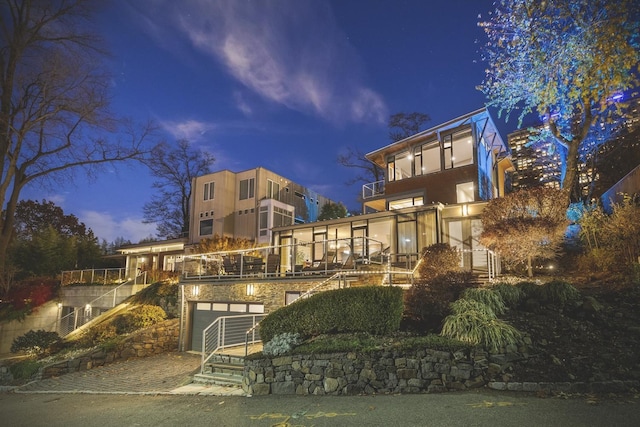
(477,408)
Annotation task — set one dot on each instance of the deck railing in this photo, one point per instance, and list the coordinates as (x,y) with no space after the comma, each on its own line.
(372,189)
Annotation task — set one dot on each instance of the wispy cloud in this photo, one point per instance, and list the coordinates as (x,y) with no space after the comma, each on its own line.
(290,52)
(106,227)
(192,130)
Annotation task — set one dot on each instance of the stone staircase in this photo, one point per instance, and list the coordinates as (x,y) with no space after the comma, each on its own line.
(222,370)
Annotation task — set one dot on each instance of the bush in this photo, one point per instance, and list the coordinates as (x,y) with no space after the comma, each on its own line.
(480,328)
(163,294)
(25,369)
(139,317)
(487,296)
(511,295)
(558,292)
(35,342)
(438,259)
(281,344)
(427,303)
(529,289)
(373,309)
(464,305)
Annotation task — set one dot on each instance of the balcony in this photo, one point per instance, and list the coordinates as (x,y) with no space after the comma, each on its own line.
(372,190)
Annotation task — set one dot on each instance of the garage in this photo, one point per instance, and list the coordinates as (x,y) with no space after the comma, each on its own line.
(205,313)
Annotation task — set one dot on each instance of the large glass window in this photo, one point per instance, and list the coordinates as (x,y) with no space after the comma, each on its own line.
(206,227)
(405,203)
(247,188)
(209,190)
(399,166)
(458,149)
(407,242)
(427,158)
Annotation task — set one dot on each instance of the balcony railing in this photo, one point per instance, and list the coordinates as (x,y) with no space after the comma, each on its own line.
(372,189)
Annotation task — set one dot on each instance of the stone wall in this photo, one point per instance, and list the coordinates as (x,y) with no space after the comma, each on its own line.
(365,373)
(160,338)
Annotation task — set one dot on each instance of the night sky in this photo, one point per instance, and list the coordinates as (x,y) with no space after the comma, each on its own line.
(287,85)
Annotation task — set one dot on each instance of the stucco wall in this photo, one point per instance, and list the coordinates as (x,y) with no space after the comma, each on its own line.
(44,317)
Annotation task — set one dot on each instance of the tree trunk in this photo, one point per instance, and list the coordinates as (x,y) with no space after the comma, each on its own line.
(529,267)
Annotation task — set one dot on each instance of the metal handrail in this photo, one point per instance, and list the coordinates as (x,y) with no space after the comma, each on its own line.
(59,322)
(215,336)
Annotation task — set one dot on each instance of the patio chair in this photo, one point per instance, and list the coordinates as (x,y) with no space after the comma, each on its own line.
(325,264)
(273,263)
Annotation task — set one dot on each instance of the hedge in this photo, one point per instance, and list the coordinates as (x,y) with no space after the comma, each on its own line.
(372,309)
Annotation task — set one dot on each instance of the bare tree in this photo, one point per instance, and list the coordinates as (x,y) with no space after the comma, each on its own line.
(403,125)
(175,170)
(54,113)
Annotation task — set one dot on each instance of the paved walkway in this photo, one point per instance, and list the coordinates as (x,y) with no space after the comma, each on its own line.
(169,373)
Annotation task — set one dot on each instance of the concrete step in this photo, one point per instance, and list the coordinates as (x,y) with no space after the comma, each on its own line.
(226,380)
(223,368)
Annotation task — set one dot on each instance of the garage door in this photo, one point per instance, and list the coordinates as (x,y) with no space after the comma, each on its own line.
(205,313)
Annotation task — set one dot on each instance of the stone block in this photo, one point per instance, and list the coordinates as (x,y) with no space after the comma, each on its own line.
(330,385)
(285,387)
(260,389)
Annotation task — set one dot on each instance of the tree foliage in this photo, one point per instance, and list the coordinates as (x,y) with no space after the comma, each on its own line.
(525,225)
(219,243)
(332,211)
(48,241)
(567,60)
(175,168)
(54,115)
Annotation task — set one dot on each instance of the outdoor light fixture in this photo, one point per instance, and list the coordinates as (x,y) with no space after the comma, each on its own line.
(465,210)
(195,291)
(250,289)
(59,305)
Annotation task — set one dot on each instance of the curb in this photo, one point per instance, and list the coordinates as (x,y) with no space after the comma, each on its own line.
(614,386)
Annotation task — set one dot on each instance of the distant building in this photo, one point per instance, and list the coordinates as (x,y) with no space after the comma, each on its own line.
(540,164)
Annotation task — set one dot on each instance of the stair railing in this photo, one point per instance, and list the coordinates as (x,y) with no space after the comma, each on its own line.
(225,332)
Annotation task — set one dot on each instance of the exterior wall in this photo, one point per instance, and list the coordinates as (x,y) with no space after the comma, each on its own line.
(437,187)
(233,217)
(44,317)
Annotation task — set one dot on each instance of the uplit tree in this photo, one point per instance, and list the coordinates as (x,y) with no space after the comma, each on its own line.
(175,168)
(54,115)
(525,225)
(567,60)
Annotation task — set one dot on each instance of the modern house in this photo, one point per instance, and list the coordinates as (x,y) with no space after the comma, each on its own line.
(436,185)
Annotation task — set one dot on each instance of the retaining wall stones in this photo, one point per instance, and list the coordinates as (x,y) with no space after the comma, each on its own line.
(160,338)
(416,371)
(364,373)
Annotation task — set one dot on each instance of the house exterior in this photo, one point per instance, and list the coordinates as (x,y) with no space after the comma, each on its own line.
(435,183)
(248,204)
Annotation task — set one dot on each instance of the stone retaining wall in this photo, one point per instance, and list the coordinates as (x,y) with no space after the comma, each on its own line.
(417,371)
(365,373)
(160,338)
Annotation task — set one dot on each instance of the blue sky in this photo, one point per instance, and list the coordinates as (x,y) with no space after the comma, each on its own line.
(285,84)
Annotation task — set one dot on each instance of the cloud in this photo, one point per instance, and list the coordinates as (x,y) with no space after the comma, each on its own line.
(106,227)
(191,130)
(290,52)
(242,104)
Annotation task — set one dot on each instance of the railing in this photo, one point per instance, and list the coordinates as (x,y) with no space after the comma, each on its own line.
(100,276)
(226,331)
(79,317)
(280,260)
(372,189)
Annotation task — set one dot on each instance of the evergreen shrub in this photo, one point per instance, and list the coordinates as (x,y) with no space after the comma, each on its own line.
(372,309)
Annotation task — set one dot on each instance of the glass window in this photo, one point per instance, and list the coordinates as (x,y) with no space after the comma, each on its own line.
(206,227)
(405,203)
(430,158)
(273,190)
(407,237)
(401,166)
(464,192)
(247,188)
(458,149)
(209,190)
